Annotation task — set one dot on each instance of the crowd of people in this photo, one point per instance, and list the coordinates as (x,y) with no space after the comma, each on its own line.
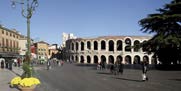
(8,63)
(51,62)
(117,68)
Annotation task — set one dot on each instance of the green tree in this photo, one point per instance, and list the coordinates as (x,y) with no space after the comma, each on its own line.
(166,27)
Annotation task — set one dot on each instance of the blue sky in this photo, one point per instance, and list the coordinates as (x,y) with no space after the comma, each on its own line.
(83,18)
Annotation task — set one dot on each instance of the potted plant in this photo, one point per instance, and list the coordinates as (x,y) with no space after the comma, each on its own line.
(25,84)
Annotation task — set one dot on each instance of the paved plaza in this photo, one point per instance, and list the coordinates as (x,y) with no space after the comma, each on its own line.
(73,77)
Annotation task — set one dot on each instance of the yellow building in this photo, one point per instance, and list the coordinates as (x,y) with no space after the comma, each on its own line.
(41,50)
(9,43)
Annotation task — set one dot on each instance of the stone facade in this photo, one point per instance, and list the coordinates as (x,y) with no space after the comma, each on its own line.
(107,49)
(66,37)
(9,42)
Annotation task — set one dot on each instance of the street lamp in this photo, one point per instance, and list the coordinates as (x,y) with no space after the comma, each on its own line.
(28,7)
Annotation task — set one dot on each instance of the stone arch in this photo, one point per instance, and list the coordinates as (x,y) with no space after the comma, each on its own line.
(72,46)
(82,59)
(95,59)
(146,58)
(103,45)
(136,46)
(72,58)
(128,59)
(88,59)
(88,45)
(82,46)
(119,45)
(76,58)
(77,46)
(103,59)
(128,45)
(111,59)
(95,45)
(119,58)
(137,59)
(153,60)
(111,45)
(144,46)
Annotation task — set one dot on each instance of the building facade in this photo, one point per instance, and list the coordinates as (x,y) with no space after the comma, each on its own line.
(41,50)
(108,49)
(52,50)
(66,37)
(9,43)
(23,45)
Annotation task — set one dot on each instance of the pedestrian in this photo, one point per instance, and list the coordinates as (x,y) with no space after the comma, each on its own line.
(2,64)
(120,67)
(99,66)
(144,65)
(19,62)
(112,68)
(7,64)
(48,65)
(62,62)
(11,64)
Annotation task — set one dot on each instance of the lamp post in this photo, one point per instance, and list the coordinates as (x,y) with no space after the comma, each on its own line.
(28,7)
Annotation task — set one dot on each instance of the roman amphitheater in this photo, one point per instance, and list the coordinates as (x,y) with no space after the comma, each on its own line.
(108,49)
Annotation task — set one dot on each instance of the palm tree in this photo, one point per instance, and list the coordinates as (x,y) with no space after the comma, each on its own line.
(166,25)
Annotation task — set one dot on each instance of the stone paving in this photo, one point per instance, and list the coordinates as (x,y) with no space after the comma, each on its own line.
(71,77)
(5,77)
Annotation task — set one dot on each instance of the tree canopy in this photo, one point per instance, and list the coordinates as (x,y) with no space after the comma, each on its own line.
(166,25)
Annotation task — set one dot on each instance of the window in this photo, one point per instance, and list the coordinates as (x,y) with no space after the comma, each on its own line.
(7,33)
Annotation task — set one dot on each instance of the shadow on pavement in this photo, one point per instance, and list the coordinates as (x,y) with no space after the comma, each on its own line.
(128,79)
(175,79)
(105,73)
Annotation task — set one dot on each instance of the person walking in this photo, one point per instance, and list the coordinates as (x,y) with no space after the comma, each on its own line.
(2,64)
(144,65)
(48,64)
(120,67)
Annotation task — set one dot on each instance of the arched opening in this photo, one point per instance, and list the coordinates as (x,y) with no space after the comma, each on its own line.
(88,59)
(111,59)
(119,59)
(103,59)
(81,59)
(136,46)
(95,59)
(128,59)
(128,45)
(77,46)
(95,45)
(144,46)
(119,45)
(111,45)
(82,46)
(136,60)
(103,45)
(88,45)
(146,58)
(72,58)
(72,46)
(153,60)
(76,58)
